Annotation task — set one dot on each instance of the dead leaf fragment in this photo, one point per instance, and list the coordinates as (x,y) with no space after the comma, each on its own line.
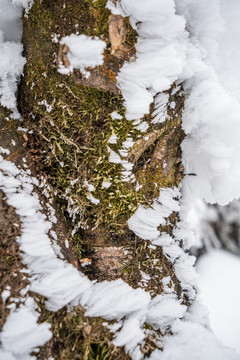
(85,262)
(87,330)
(117,31)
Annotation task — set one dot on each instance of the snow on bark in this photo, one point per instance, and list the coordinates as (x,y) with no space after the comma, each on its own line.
(62,284)
(22,334)
(83,52)
(164,54)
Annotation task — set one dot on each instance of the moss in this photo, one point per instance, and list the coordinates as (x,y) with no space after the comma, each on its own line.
(74,135)
(70,143)
(153,263)
(76,336)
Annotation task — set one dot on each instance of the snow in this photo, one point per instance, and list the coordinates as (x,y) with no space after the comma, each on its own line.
(145,221)
(21,333)
(10,25)
(220,291)
(160,53)
(193,341)
(206,62)
(26,4)
(5,294)
(160,112)
(12,61)
(116,116)
(211,117)
(113,139)
(84,52)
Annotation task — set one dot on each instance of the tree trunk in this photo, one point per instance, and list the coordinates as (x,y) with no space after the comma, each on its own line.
(70,121)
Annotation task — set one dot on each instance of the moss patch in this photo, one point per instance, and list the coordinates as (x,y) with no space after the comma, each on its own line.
(78,337)
(71,127)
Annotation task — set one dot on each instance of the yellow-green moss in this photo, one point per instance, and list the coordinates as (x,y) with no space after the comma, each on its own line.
(70,146)
(74,134)
(76,336)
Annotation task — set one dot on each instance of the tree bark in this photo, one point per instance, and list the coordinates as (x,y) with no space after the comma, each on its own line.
(70,122)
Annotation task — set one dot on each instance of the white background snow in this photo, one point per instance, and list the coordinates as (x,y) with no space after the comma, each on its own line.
(220,290)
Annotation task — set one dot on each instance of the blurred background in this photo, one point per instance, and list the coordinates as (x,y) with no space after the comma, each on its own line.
(218,266)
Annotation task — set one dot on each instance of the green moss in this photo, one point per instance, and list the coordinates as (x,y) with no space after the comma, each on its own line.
(77,129)
(76,336)
(71,141)
(70,145)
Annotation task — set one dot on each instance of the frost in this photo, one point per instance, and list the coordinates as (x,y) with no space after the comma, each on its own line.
(128,143)
(163,309)
(143,126)
(145,221)
(106,184)
(211,117)
(11,68)
(165,52)
(48,107)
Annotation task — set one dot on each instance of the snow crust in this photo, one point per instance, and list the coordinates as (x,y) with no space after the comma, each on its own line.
(84,52)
